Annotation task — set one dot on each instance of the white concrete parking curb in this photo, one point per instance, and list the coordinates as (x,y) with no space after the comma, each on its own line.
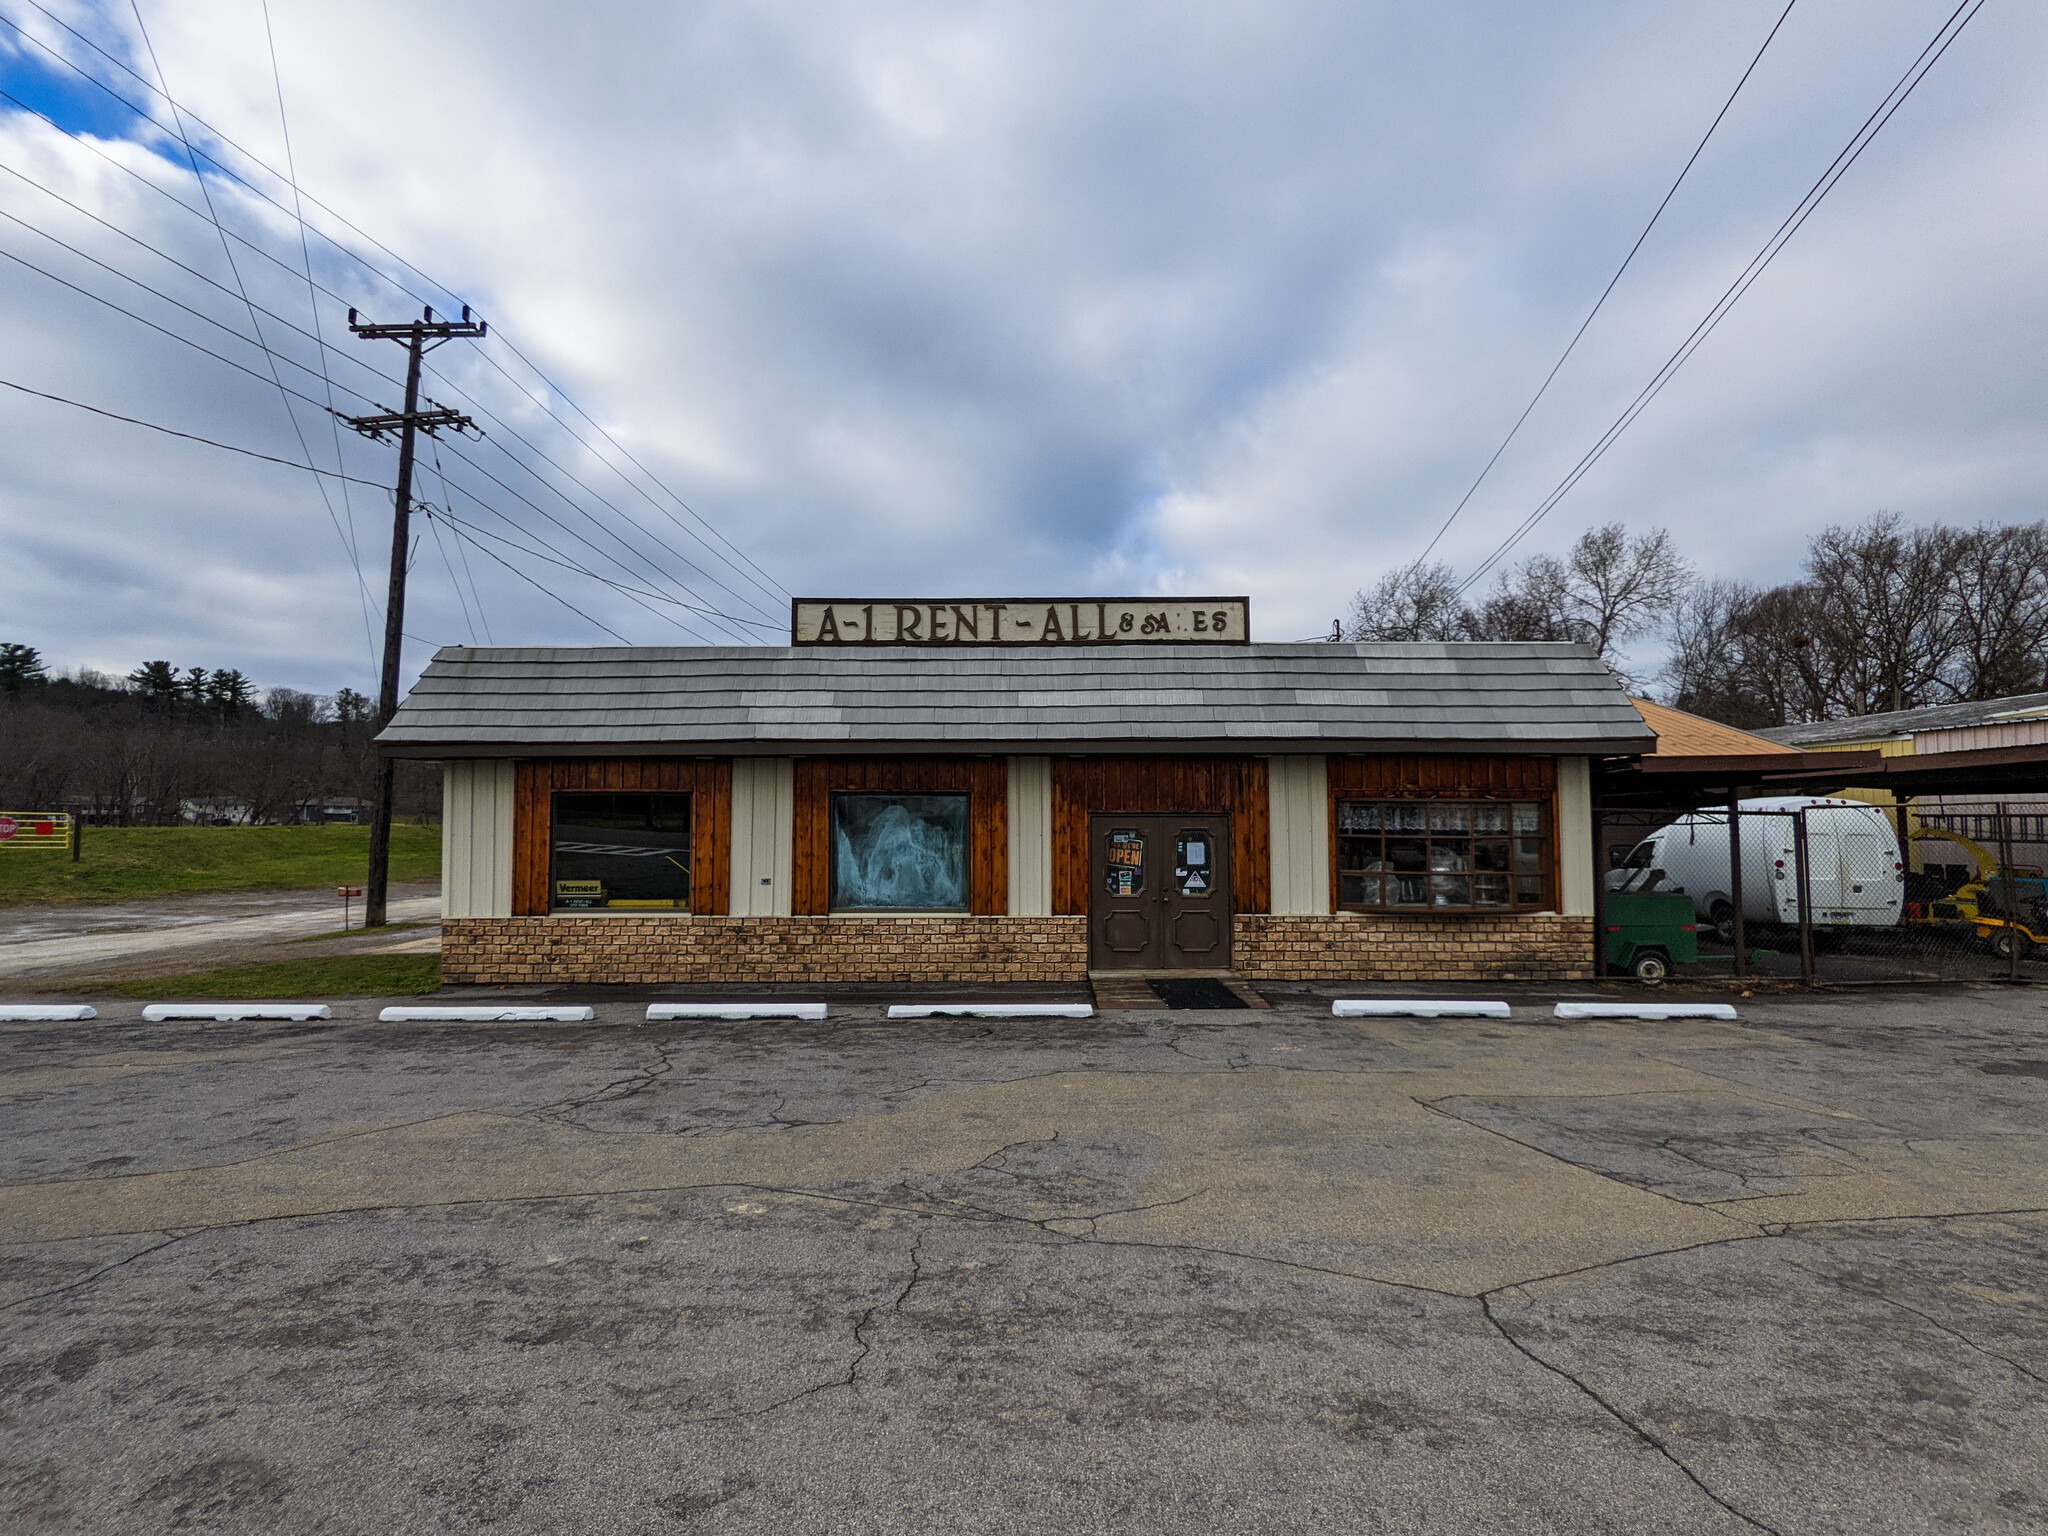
(487,1015)
(226,1013)
(992,1010)
(46,1013)
(1645,1011)
(1366,1008)
(661,1013)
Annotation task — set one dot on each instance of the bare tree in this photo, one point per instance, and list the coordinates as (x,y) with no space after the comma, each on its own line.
(1419,603)
(1883,605)
(1999,632)
(1609,590)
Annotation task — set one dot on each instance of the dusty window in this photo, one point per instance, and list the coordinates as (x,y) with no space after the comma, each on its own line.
(1460,855)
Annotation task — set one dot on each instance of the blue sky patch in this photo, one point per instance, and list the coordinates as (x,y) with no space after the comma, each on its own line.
(63,95)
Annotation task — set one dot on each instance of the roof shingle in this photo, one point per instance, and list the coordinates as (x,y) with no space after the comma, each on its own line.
(477,701)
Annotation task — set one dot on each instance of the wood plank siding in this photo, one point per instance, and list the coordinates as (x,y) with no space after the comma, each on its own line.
(984,780)
(707,781)
(1446,778)
(1232,786)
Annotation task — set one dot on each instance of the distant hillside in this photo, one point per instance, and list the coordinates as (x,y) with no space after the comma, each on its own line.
(168,744)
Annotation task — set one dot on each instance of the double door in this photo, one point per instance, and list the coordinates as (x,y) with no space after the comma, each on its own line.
(1159,893)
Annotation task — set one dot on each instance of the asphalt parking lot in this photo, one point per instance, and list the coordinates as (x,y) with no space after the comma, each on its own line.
(1152,1272)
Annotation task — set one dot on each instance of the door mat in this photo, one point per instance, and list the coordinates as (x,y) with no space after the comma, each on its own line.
(1197,992)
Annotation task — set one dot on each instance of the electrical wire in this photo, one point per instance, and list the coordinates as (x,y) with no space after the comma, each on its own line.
(320,344)
(1850,153)
(311,336)
(460,548)
(550,592)
(704,609)
(433,528)
(180,113)
(190,437)
(1600,302)
(255,324)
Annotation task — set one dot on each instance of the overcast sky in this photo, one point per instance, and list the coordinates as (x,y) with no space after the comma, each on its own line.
(1000,299)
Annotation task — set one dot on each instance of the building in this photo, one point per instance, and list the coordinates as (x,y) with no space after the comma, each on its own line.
(937,809)
(1977,769)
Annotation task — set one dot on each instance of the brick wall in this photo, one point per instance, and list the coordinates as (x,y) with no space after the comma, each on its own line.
(668,949)
(1343,947)
(1354,946)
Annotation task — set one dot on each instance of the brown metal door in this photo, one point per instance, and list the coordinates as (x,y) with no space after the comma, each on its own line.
(1159,893)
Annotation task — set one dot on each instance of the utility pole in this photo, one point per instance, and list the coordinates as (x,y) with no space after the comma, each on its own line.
(418,337)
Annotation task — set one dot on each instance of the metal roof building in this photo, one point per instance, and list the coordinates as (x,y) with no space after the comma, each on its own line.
(1028,812)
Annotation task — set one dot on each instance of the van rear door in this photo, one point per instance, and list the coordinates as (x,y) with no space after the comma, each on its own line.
(1867,878)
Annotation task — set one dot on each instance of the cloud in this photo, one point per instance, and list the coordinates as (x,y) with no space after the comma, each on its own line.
(919,299)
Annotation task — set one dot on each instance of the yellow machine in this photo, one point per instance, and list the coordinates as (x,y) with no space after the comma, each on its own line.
(2004,907)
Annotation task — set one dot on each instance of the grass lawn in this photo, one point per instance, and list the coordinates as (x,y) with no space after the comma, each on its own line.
(159,861)
(335,976)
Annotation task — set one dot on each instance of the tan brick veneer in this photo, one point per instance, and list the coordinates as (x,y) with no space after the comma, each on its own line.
(628,949)
(1343,947)
(1351,946)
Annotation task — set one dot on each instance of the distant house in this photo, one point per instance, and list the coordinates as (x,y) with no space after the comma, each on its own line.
(216,811)
(335,809)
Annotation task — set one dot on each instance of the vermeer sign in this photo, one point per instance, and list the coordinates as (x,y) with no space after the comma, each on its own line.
(1023,621)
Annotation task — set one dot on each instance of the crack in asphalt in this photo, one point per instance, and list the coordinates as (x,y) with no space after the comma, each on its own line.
(863,1347)
(1593,1395)
(169,1238)
(1435,1108)
(1872,1294)
(618,1089)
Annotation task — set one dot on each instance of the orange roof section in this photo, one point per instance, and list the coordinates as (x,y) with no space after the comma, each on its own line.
(1683,735)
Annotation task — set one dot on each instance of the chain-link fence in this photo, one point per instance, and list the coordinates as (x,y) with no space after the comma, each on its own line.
(1828,890)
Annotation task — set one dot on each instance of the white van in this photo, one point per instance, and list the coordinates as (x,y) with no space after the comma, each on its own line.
(1855,876)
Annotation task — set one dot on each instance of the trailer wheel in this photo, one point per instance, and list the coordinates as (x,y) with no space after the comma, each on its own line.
(1723,919)
(1651,965)
(2005,940)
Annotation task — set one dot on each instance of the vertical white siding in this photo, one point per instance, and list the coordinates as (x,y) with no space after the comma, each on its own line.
(1031,837)
(763,835)
(1298,794)
(1575,836)
(476,838)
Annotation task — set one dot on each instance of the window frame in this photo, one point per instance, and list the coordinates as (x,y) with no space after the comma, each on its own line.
(688,901)
(1545,872)
(832,799)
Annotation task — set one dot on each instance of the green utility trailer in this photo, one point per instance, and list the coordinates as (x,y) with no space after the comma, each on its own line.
(1647,935)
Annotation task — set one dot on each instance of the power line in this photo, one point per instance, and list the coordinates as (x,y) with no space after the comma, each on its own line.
(1598,303)
(701,608)
(155,292)
(327,348)
(190,437)
(255,324)
(705,606)
(320,343)
(428,513)
(180,112)
(164,331)
(550,592)
(1861,140)
(255,160)
(327,380)
(459,546)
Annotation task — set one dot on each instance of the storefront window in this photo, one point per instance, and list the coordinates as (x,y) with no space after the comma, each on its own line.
(621,852)
(1457,855)
(899,853)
